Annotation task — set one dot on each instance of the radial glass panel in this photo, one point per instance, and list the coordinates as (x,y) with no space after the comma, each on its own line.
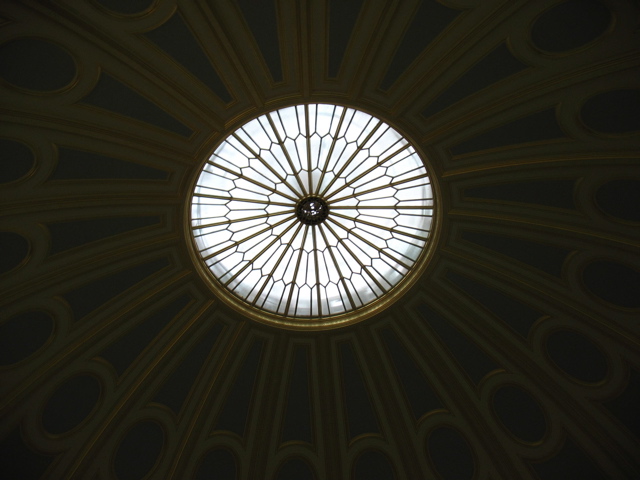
(311,212)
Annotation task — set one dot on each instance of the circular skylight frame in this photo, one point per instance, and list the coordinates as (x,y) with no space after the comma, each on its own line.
(379,216)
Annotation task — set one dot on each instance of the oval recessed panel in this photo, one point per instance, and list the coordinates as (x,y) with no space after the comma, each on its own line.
(577,356)
(16,159)
(570,25)
(620,199)
(70,404)
(36,64)
(450,454)
(519,413)
(139,451)
(24,334)
(613,282)
(14,250)
(614,112)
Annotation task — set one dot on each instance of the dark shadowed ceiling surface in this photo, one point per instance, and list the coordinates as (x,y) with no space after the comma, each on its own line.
(514,356)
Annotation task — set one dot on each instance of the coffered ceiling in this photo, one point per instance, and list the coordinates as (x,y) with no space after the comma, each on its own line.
(514,355)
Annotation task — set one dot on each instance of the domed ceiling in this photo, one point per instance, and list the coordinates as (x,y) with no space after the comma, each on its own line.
(515,353)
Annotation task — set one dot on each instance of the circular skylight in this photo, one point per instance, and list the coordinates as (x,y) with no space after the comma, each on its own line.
(312,215)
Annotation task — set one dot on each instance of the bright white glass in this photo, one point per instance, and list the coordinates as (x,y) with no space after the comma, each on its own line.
(243,210)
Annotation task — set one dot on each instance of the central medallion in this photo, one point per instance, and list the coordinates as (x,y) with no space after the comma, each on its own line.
(312,216)
(312,210)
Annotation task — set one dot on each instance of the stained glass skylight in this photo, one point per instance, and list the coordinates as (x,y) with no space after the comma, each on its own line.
(310,213)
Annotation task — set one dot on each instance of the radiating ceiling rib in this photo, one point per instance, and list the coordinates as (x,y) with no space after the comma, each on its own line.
(120,51)
(132,388)
(463,404)
(526,364)
(86,340)
(193,423)
(370,23)
(198,18)
(178,41)
(57,279)
(581,234)
(332,435)
(500,103)
(553,294)
(471,36)
(248,60)
(260,446)
(520,160)
(295,42)
(404,439)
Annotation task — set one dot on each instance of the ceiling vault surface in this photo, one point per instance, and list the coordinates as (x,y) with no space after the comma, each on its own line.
(513,353)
